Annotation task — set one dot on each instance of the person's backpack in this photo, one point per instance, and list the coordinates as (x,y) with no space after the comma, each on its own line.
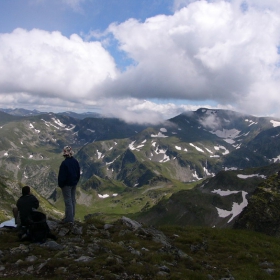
(37,230)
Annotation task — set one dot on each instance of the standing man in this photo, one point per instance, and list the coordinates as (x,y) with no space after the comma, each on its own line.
(68,178)
(25,205)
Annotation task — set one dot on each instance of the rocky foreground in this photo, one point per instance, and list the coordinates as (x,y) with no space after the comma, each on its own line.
(122,250)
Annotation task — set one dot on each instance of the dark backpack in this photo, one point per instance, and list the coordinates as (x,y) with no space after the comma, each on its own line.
(37,230)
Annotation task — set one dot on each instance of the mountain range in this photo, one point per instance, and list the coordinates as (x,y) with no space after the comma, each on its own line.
(146,170)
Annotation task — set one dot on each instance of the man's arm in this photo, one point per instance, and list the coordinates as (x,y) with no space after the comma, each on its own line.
(62,175)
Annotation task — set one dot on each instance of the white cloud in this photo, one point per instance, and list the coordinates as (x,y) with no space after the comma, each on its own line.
(225,52)
(204,51)
(46,64)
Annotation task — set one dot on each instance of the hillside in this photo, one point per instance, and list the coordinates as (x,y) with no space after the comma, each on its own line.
(126,249)
(217,202)
(263,211)
(124,159)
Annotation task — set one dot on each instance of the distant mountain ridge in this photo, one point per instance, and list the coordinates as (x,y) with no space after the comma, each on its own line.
(25,112)
(117,157)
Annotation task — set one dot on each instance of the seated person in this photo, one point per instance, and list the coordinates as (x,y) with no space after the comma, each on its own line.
(25,204)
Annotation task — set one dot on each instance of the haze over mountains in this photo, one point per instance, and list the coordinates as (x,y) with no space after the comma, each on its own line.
(146,164)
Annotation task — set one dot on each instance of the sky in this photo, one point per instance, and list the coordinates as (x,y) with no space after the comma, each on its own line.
(140,60)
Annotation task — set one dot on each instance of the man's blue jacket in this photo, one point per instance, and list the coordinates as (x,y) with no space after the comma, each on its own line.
(69,172)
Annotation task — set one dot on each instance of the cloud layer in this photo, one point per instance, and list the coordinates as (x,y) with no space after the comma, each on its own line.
(225,52)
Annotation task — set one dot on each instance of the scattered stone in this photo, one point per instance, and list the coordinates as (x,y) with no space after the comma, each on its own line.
(63,231)
(107,226)
(84,259)
(52,245)
(269,271)
(162,273)
(164,268)
(41,266)
(19,262)
(21,249)
(130,223)
(266,264)
(30,268)
(31,258)
(2,267)
(77,230)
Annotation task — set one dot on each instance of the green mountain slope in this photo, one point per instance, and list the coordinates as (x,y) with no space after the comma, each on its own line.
(217,202)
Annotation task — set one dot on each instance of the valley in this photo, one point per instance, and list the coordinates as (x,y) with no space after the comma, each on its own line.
(137,170)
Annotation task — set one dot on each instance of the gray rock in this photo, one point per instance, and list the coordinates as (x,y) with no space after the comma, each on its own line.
(183,255)
(84,259)
(266,264)
(19,261)
(2,267)
(130,223)
(52,224)
(20,249)
(30,268)
(269,271)
(63,231)
(164,268)
(52,245)
(77,230)
(41,266)
(31,258)
(107,226)
(162,273)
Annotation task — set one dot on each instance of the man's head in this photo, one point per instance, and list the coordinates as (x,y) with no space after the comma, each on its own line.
(67,151)
(25,190)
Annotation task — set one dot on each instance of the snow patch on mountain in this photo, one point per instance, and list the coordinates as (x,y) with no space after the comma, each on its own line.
(230,168)
(208,151)
(131,146)
(226,151)
(276,159)
(227,133)
(159,135)
(275,123)
(250,122)
(178,148)
(242,176)
(99,155)
(103,196)
(50,124)
(195,176)
(162,151)
(224,193)
(207,173)
(197,148)
(163,129)
(108,163)
(58,122)
(236,208)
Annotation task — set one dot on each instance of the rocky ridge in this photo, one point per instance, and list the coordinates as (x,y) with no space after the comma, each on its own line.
(127,249)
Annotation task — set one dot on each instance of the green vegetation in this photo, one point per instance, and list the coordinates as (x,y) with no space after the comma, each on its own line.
(196,253)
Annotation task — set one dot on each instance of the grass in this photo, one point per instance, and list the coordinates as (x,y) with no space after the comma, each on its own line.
(217,252)
(128,202)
